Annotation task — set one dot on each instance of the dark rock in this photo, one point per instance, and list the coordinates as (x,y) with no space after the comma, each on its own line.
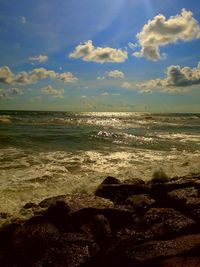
(58,215)
(6,233)
(111,180)
(78,202)
(42,245)
(116,217)
(30,205)
(4,215)
(99,227)
(183,195)
(186,199)
(36,220)
(134,181)
(167,221)
(47,202)
(181,262)
(177,183)
(120,192)
(140,203)
(153,251)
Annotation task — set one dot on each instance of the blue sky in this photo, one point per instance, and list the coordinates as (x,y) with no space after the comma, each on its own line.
(99,55)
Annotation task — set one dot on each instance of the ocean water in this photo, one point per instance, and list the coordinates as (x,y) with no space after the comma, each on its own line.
(49,153)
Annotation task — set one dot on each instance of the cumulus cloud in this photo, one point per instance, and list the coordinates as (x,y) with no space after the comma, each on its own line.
(176,79)
(67,77)
(56,93)
(112,74)
(39,59)
(7,77)
(115,74)
(10,93)
(159,32)
(88,52)
(127,85)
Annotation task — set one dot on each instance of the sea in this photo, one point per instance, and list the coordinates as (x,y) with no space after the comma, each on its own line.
(45,154)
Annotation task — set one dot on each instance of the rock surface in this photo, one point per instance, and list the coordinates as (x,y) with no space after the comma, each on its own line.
(125,224)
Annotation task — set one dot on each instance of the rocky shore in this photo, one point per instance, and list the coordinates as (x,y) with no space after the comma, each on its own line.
(129,224)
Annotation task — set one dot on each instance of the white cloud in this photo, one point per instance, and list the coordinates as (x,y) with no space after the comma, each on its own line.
(112,74)
(88,52)
(116,74)
(110,94)
(127,85)
(100,78)
(159,32)
(56,93)
(23,20)
(177,80)
(7,77)
(39,59)
(67,77)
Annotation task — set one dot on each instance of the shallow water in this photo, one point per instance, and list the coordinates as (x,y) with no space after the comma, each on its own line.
(49,153)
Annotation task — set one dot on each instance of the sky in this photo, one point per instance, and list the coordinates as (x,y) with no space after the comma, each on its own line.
(100,55)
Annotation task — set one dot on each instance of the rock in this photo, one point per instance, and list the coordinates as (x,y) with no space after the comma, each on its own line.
(167,221)
(111,180)
(116,217)
(58,215)
(158,190)
(153,251)
(27,244)
(140,203)
(134,181)
(78,202)
(52,200)
(181,262)
(30,205)
(120,192)
(186,199)
(99,227)
(6,233)
(183,195)
(4,215)
(42,245)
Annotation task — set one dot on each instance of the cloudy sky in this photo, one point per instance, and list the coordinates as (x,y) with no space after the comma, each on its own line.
(100,55)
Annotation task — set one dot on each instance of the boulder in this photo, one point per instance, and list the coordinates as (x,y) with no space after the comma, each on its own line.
(99,228)
(117,218)
(111,180)
(58,215)
(167,221)
(187,200)
(42,245)
(150,253)
(140,203)
(181,262)
(118,193)
(47,202)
